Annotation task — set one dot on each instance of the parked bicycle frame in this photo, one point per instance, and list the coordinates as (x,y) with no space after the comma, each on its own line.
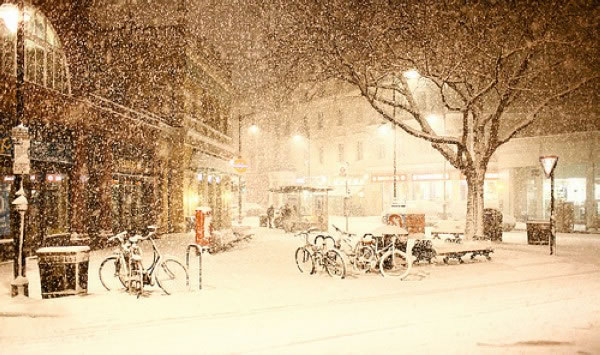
(313,257)
(126,266)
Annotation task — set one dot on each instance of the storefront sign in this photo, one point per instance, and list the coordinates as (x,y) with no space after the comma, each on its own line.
(130,166)
(51,152)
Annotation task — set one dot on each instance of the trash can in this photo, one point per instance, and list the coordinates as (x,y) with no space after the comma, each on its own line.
(538,232)
(63,270)
(263,220)
(492,224)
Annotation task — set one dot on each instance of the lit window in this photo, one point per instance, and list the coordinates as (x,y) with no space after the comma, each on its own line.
(321,155)
(45,61)
(359,150)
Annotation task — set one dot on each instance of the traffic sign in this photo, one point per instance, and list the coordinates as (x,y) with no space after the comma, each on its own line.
(240,165)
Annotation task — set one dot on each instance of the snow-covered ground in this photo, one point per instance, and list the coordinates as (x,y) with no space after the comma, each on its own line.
(254,300)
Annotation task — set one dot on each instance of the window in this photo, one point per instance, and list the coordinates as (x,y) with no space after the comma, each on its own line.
(341,152)
(359,150)
(320,122)
(340,118)
(45,62)
(381,153)
(286,128)
(321,155)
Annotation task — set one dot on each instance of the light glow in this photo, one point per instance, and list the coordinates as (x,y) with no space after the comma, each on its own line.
(412,74)
(9,13)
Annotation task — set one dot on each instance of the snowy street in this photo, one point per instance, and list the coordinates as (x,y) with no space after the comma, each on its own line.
(254,300)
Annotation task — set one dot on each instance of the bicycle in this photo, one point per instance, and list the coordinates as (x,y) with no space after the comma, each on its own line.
(360,254)
(126,266)
(313,257)
(114,270)
(392,261)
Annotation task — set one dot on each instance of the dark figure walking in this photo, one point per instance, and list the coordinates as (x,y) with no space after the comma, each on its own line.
(270,216)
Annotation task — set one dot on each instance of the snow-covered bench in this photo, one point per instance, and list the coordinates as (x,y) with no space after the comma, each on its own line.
(455,229)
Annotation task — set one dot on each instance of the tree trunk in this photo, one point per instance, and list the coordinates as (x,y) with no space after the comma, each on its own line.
(470,216)
(474,218)
(479,199)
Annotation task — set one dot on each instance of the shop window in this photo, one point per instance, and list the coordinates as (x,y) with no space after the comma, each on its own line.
(341,152)
(381,151)
(359,150)
(320,122)
(5,209)
(321,155)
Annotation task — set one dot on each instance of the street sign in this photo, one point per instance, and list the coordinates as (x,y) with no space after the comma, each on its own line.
(240,165)
(21,142)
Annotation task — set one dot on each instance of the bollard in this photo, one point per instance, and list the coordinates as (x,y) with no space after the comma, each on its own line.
(199,250)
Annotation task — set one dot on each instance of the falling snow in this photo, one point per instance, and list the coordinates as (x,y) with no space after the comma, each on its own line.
(236,124)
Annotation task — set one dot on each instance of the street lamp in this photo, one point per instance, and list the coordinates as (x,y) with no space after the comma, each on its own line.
(14,18)
(411,74)
(549,164)
(253,128)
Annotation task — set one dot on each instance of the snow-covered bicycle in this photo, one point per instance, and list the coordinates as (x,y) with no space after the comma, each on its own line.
(126,270)
(313,257)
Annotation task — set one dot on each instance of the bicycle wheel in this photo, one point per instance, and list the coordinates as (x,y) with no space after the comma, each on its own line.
(364,258)
(334,264)
(171,276)
(113,273)
(394,264)
(304,260)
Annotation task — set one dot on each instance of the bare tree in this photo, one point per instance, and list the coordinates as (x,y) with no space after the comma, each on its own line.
(499,66)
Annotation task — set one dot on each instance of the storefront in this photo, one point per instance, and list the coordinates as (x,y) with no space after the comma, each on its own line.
(49,185)
(208,182)
(132,188)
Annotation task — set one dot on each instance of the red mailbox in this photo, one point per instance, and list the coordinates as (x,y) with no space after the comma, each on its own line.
(203,225)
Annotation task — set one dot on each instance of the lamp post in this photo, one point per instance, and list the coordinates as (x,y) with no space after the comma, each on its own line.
(394,128)
(14,18)
(549,164)
(240,174)
(344,172)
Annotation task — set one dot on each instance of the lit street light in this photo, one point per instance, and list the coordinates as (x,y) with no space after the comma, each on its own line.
(253,128)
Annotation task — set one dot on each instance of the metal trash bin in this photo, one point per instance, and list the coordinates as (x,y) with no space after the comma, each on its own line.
(63,270)
(263,220)
(492,224)
(538,232)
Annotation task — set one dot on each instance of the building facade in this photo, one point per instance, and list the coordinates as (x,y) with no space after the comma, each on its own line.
(340,141)
(125,115)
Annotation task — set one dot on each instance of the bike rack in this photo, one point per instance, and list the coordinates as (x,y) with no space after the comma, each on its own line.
(199,250)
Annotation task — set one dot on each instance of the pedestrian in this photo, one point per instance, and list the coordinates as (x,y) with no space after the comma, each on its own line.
(270,216)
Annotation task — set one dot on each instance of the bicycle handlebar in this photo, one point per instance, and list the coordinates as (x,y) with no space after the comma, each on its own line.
(118,236)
